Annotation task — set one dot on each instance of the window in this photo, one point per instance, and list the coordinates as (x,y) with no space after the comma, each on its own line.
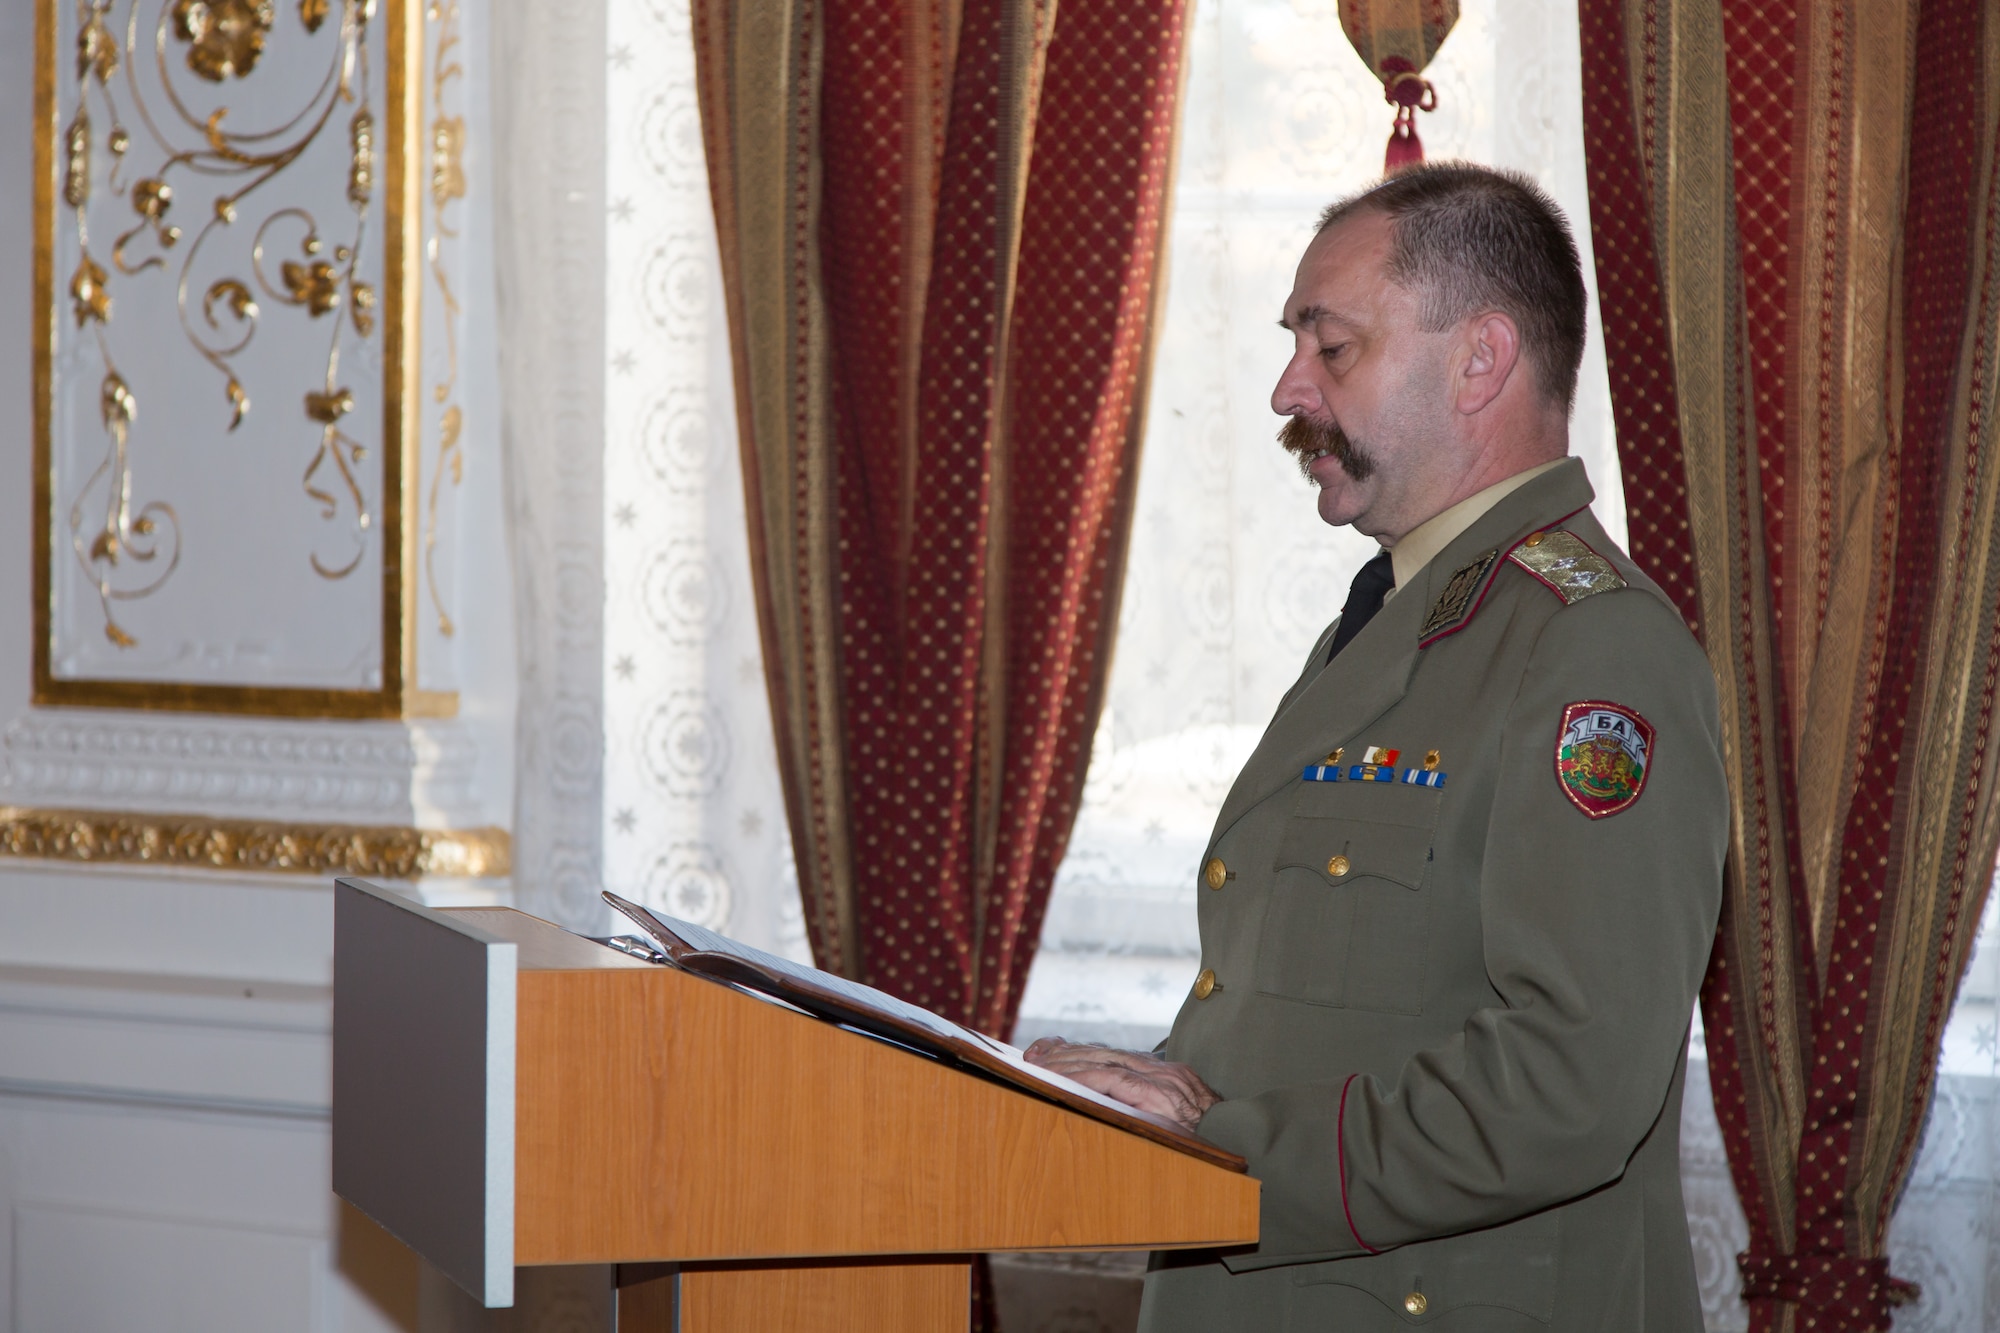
(1232,575)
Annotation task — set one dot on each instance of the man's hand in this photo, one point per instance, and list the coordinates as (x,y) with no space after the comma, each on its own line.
(1137,1078)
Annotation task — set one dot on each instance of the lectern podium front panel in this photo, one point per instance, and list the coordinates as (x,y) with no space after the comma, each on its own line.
(660,1116)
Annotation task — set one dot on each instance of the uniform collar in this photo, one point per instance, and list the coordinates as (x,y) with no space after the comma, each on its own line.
(1420,544)
(1371,676)
(1542,498)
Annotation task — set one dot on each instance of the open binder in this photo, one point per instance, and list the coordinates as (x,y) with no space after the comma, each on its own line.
(697,949)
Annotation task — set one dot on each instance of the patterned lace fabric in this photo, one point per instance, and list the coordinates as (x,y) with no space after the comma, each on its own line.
(691,819)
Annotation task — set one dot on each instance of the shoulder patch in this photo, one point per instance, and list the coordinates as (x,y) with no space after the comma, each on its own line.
(1566,565)
(1603,753)
(1460,598)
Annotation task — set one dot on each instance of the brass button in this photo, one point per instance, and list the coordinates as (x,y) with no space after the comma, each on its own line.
(1215,873)
(1204,985)
(1534,539)
(1337,866)
(1415,1303)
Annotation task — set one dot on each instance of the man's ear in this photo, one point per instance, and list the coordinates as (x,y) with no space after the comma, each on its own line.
(1493,353)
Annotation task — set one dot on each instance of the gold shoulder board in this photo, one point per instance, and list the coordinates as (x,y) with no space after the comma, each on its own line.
(1566,566)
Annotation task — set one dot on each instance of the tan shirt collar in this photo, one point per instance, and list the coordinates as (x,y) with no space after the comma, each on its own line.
(1421,544)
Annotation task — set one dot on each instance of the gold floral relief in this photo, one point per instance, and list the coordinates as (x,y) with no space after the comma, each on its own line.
(101,837)
(219,40)
(224,37)
(186,168)
(447,187)
(447,160)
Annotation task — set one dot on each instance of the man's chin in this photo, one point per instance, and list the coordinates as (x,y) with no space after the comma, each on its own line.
(1340,497)
(1339,507)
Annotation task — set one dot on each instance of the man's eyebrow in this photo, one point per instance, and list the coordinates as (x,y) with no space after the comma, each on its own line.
(1307,315)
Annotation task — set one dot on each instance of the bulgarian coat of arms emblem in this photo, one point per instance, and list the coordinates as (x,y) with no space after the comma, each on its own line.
(1602,756)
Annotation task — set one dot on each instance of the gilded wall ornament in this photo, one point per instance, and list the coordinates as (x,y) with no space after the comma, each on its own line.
(447,187)
(313,285)
(224,37)
(223,40)
(76,167)
(260,846)
(90,292)
(361,174)
(257,173)
(447,160)
(96,48)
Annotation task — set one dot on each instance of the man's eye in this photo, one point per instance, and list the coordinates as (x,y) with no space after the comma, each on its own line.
(1331,352)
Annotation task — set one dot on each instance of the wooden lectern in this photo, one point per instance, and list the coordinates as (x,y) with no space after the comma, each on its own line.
(507,1093)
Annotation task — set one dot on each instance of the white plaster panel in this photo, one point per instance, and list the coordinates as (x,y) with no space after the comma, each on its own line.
(241,515)
(276,928)
(141,1178)
(107,1192)
(81,1269)
(17,86)
(166,1041)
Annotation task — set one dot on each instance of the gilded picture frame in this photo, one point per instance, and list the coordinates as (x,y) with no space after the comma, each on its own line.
(378,121)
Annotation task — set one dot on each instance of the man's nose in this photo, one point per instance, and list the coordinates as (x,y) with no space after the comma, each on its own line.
(1295,394)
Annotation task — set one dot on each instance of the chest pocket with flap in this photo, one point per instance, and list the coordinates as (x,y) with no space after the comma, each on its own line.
(1345,926)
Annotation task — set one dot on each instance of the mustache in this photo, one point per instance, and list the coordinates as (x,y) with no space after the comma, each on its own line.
(1305,440)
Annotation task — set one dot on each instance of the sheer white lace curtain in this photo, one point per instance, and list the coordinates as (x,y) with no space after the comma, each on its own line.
(692,819)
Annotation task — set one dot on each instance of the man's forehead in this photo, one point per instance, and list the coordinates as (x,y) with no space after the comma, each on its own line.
(1341,272)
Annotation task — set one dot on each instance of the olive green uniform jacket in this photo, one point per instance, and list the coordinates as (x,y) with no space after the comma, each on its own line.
(1449,1023)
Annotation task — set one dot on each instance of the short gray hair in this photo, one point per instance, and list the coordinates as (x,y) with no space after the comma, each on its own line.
(1470,238)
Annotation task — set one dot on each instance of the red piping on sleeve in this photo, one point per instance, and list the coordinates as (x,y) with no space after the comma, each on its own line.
(1340,1152)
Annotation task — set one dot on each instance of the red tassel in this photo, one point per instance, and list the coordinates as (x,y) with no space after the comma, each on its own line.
(1404,145)
(1409,93)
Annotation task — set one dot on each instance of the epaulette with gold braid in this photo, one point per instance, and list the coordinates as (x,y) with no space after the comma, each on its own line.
(1564,564)
(1559,560)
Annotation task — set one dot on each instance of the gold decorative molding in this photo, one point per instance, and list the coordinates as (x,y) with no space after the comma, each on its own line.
(133,156)
(104,837)
(447,186)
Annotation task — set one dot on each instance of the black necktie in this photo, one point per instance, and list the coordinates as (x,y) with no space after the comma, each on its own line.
(1364,598)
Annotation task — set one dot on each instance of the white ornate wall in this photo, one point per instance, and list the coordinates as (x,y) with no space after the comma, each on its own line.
(165,1023)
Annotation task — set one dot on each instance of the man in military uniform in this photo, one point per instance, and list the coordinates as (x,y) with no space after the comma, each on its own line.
(1457,906)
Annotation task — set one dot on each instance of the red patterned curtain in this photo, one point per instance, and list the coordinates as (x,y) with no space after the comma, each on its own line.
(1796,214)
(941,226)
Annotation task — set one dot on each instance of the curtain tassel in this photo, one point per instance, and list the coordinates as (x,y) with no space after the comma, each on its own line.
(1407,91)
